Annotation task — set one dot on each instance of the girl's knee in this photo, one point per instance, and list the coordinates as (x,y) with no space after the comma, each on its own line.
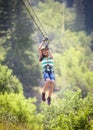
(48,81)
(52,81)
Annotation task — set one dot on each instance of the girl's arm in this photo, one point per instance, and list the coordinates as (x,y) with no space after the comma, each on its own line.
(42,43)
(40,46)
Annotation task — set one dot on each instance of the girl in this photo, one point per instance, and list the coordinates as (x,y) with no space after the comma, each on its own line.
(46,60)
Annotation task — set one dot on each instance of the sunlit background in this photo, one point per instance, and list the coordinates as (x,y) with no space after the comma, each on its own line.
(69,27)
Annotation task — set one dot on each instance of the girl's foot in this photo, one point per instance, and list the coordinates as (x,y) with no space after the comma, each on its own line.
(49,100)
(43,97)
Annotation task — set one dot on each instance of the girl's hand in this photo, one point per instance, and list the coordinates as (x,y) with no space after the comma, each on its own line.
(45,39)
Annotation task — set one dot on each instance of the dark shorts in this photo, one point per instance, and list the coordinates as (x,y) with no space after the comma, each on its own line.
(49,75)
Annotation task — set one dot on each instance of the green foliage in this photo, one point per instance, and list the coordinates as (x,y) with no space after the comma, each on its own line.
(8,82)
(72,110)
(21,56)
(69,113)
(2,50)
(56,18)
(19,111)
(2,54)
(72,70)
(54,11)
(10,126)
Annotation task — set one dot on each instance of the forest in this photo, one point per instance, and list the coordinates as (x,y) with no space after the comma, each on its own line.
(69,27)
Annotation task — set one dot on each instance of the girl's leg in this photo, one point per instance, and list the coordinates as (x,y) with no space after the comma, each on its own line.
(47,81)
(52,79)
(46,85)
(50,92)
(51,88)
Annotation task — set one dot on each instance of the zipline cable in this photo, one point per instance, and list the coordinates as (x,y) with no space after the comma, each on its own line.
(37,18)
(33,18)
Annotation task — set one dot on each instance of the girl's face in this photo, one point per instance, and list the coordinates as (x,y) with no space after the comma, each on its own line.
(45,52)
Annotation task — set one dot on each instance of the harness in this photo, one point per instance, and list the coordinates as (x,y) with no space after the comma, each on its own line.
(48,68)
(47,64)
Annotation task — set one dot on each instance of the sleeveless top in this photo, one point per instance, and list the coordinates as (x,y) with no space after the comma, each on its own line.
(47,64)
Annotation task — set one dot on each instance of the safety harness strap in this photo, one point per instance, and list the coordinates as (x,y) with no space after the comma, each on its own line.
(48,68)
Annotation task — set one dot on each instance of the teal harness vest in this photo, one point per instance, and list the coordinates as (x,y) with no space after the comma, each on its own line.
(47,64)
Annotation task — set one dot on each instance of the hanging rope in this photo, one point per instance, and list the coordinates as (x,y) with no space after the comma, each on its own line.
(43,32)
(37,18)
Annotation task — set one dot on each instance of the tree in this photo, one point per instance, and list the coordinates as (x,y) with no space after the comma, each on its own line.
(88,11)
(21,56)
(69,112)
(59,15)
(2,54)
(8,82)
(16,110)
(80,16)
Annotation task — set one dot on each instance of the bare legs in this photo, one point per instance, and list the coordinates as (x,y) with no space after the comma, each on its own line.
(51,88)
(49,83)
(46,85)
